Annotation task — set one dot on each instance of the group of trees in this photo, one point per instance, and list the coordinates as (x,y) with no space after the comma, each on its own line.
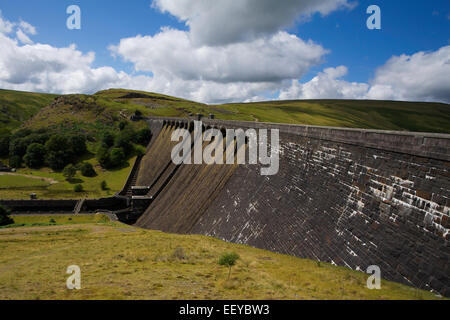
(40,148)
(86,169)
(36,149)
(116,148)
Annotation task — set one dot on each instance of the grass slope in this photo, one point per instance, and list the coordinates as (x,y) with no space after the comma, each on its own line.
(109,106)
(366,114)
(83,113)
(20,186)
(121,262)
(17,107)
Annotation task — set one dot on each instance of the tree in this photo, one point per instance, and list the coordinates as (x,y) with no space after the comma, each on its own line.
(108,139)
(5,219)
(59,152)
(19,143)
(15,162)
(35,155)
(117,157)
(69,172)
(124,141)
(4,145)
(104,186)
(78,188)
(103,157)
(143,136)
(18,147)
(87,170)
(78,144)
(122,125)
(228,260)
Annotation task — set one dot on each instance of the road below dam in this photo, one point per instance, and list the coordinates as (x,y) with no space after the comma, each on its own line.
(350,197)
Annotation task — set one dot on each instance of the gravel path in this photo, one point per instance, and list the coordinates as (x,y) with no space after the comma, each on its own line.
(49,180)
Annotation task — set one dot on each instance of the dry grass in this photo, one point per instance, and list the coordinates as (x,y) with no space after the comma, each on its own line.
(121,262)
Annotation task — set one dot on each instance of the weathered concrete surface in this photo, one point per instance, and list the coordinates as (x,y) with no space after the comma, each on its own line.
(350,197)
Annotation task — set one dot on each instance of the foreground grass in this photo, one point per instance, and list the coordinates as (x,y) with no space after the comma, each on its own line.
(28,181)
(54,220)
(121,262)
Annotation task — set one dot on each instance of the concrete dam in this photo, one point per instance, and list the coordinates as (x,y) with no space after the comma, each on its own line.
(350,197)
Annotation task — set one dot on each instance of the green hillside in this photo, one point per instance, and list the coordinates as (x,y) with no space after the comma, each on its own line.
(111,105)
(17,107)
(122,262)
(366,114)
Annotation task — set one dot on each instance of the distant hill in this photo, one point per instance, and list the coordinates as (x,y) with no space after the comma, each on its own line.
(35,110)
(17,107)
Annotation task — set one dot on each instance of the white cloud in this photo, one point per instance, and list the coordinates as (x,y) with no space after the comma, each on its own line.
(27,28)
(241,71)
(423,76)
(22,37)
(41,67)
(5,25)
(170,53)
(221,22)
(326,85)
(210,62)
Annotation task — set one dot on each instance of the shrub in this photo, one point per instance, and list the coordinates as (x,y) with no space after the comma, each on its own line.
(15,162)
(69,171)
(35,155)
(140,151)
(87,170)
(78,188)
(228,260)
(52,221)
(104,157)
(5,219)
(124,140)
(117,157)
(104,186)
(179,254)
(4,145)
(143,136)
(108,139)
(122,125)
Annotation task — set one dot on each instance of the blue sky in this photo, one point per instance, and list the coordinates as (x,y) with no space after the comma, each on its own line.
(408,27)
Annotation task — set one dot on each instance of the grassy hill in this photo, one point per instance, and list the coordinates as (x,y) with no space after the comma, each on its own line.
(122,262)
(82,113)
(366,114)
(17,107)
(105,107)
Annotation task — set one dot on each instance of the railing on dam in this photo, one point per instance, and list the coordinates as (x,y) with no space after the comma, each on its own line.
(430,145)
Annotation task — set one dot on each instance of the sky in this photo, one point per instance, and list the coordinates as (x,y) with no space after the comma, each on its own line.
(230,51)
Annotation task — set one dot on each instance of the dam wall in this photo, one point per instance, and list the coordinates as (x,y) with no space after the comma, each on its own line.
(350,197)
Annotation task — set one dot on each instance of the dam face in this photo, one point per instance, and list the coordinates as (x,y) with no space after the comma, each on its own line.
(354,198)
